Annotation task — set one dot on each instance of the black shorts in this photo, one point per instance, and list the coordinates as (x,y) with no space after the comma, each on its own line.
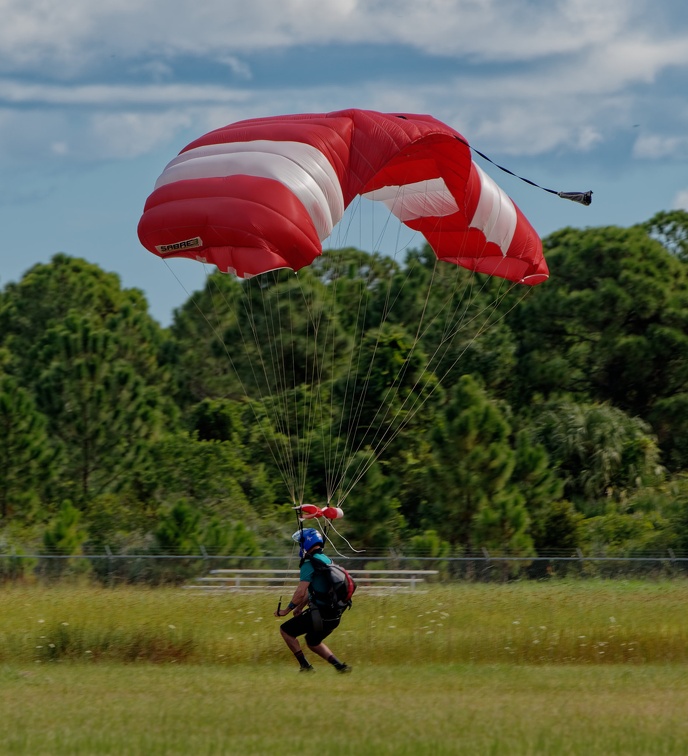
(304,624)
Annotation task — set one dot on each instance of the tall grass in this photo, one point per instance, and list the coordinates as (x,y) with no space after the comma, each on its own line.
(596,622)
(572,669)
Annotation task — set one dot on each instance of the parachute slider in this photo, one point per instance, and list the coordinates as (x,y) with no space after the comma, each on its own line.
(311,511)
(584,198)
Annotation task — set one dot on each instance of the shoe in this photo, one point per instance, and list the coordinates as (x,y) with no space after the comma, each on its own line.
(309,668)
(344,669)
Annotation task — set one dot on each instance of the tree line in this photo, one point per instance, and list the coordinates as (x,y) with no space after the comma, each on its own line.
(461,413)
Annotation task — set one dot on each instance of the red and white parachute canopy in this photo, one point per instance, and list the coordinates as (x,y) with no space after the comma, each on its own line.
(263,194)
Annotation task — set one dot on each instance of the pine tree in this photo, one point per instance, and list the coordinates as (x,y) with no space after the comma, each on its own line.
(25,452)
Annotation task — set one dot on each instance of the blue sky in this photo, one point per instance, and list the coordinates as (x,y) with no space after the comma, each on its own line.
(95,99)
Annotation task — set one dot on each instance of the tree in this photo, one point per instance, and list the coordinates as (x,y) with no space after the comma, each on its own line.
(610,325)
(591,330)
(98,407)
(474,462)
(554,523)
(427,546)
(48,293)
(372,518)
(260,338)
(63,538)
(387,398)
(221,538)
(179,530)
(501,524)
(602,453)
(452,314)
(671,231)
(25,452)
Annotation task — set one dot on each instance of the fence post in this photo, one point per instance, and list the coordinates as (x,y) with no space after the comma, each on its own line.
(486,555)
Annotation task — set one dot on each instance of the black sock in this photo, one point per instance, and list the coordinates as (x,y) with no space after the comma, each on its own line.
(301,659)
(332,659)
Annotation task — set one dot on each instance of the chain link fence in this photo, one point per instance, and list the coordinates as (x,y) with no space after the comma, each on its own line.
(175,569)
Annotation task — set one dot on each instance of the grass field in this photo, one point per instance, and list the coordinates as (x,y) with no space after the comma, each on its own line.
(528,668)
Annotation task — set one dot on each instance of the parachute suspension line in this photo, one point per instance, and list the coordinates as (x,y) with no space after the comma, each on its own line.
(359,389)
(274,371)
(347,542)
(582,198)
(296,412)
(389,392)
(271,373)
(377,442)
(329,441)
(352,447)
(299,522)
(419,402)
(286,363)
(418,398)
(312,401)
(325,530)
(341,451)
(338,460)
(385,426)
(220,339)
(291,398)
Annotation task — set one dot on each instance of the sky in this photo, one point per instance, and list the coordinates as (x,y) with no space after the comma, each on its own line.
(97,97)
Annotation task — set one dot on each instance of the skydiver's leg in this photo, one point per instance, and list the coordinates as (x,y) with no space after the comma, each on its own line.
(315,644)
(292,643)
(289,631)
(322,650)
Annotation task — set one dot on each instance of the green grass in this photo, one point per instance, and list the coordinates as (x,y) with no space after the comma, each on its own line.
(593,667)
(596,622)
(419,709)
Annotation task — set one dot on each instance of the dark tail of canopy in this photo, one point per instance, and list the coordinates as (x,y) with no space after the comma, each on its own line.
(584,198)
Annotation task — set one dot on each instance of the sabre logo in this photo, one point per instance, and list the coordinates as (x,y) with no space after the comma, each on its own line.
(186,244)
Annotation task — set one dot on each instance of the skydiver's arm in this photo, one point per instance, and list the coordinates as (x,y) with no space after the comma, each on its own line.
(298,601)
(300,597)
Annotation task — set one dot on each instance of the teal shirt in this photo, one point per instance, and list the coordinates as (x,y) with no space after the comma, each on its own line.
(307,573)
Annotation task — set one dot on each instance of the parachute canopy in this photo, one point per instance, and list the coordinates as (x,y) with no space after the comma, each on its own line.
(263,194)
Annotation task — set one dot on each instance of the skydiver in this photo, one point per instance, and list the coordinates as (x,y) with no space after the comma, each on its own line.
(313,620)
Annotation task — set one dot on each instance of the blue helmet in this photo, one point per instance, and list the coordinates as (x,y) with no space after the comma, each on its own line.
(307,538)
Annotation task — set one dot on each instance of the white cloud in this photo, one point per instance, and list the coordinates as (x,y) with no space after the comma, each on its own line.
(573,72)
(75,33)
(658,146)
(681,200)
(97,95)
(59,148)
(127,135)
(237,67)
